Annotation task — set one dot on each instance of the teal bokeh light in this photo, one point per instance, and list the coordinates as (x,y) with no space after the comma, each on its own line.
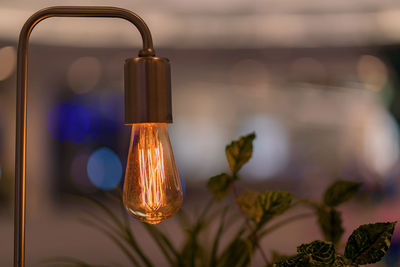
(104,169)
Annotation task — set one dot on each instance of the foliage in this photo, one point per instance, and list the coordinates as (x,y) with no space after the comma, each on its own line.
(261,208)
(220,185)
(239,152)
(339,192)
(367,244)
(317,253)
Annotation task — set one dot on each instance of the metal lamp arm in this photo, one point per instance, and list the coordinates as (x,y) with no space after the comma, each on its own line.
(22,71)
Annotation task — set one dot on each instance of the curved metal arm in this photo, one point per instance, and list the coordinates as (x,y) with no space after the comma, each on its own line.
(22,69)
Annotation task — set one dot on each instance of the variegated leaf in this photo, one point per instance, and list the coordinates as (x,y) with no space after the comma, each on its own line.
(369,243)
(340,191)
(239,152)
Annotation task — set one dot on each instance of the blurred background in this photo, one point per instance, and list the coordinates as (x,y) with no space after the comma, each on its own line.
(318,81)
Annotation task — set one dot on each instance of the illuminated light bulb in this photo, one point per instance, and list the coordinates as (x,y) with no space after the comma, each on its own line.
(152,189)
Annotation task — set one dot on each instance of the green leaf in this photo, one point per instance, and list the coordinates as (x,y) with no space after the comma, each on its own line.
(220,185)
(319,253)
(298,260)
(261,208)
(274,203)
(369,243)
(239,152)
(330,222)
(341,261)
(340,191)
(250,204)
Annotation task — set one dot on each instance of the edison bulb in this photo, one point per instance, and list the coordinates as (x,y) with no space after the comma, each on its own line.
(152,189)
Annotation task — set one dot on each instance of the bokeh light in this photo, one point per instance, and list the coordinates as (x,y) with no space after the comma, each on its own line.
(388,21)
(200,128)
(7,62)
(372,72)
(83,74)
(381,142)
(271,147)
(67,122)
(104,169)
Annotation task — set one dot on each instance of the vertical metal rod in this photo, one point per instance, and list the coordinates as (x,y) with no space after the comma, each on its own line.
(22,71)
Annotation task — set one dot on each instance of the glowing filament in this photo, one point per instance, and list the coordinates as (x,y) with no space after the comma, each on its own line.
(152,177)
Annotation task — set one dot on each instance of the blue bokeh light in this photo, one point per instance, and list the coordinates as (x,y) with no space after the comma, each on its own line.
(183,185)
(104,169)
(67,122)
(87,118)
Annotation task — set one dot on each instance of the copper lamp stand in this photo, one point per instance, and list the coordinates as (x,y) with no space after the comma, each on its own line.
(147,78)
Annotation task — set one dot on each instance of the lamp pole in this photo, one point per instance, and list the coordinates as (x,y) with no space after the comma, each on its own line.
(147,67)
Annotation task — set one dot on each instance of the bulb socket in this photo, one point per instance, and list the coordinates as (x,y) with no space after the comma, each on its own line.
(147,90)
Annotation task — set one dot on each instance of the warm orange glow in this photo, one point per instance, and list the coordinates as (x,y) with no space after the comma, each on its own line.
(152,189)
(152,176)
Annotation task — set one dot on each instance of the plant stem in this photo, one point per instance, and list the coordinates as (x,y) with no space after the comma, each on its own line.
(253,232)
(206,208)
(285,222)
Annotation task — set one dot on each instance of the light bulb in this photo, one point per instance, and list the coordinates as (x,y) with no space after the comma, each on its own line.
(152,189)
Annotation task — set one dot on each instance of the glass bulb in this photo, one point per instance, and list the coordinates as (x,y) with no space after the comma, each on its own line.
(152,189)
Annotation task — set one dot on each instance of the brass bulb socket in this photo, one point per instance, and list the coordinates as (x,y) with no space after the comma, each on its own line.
(148,90)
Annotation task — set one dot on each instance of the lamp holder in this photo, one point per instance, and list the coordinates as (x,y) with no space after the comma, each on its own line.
(147,90)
